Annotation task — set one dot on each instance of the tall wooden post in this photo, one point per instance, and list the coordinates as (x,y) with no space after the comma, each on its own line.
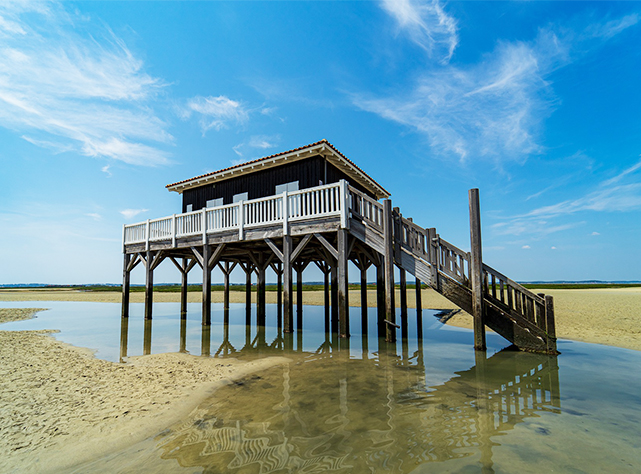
(287,284)
(476,270)
(260,289)
(299,294)
(363,292)
(550,325)
(226,285)
(380,298)
(126,280)
(343,302)
(146,345)
(419,308)
(149,284)
(183,335)
(206,320)
(326,297)
(183,290)
(279,289)
(388,234)
(334,297)
(404,323)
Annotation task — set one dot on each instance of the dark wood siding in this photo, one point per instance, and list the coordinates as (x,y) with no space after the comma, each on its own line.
(310,172)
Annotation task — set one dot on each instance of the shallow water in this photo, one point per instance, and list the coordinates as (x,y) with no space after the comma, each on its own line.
(426,404)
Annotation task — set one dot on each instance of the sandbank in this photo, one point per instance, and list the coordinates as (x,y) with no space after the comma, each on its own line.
(61,406)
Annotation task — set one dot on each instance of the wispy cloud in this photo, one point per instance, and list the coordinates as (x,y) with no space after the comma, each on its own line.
(261,142)
(95,216)
(131,213)
(621,193)
(214,112)
(492,110)
(427,24)
(70,86)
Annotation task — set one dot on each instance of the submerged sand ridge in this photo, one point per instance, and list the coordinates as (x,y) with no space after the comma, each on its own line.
(610,316)
(62,406)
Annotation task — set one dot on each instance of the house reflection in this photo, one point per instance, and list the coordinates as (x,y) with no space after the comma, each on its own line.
(330,410)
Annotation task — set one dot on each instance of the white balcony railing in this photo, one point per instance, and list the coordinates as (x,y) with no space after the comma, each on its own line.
(321,201)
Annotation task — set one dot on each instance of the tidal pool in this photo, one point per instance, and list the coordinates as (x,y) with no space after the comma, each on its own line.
(428,403)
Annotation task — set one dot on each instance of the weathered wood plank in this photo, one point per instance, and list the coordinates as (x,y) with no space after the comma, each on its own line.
(476,270)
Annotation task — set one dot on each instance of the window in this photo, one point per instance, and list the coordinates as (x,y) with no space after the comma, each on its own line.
(215,202)
(189,208)
(289,187)
(240,197)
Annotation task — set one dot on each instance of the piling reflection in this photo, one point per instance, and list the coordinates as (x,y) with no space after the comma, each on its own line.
(330,411)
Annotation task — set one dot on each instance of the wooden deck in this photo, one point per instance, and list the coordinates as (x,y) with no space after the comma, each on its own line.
(330,225)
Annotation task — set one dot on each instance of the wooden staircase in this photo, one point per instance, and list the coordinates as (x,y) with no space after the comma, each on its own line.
(524,318)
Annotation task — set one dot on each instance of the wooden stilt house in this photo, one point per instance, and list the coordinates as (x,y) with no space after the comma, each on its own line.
(313,205)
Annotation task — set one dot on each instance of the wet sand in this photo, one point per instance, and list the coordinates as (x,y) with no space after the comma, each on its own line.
(61,406)
(601,316)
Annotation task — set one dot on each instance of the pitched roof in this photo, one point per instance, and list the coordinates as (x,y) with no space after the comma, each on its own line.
(322,147)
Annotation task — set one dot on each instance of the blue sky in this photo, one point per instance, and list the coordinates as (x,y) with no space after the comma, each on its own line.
(536,103)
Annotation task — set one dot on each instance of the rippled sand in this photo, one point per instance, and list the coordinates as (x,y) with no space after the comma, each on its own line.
(61,406)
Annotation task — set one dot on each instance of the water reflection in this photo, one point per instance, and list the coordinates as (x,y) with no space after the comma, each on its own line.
(335,409)
(364,415)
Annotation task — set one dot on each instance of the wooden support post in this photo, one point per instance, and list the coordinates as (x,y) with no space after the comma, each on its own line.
(149,284)
(248,294)
(183,290)
(299,293)
(206,301)
(334,298)
(419,308)
(404,323)
(126,280)
(183,335)
(363,294)
(343,302)
(288,316)
(388,234)
(326,297)
(550,325)
(380,298)
(279,292)
(260,289)
(476,270)
(434,246)
(146,344)
(226,285)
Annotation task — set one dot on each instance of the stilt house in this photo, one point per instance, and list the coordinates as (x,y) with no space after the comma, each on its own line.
(313,205)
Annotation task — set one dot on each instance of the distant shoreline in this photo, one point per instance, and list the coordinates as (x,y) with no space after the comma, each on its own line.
(608,315)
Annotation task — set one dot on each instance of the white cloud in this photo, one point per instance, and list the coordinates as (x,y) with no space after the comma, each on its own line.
(595,233)
(94,215)
(71,86)
(131,213)
(426,24)
(261,142)
(215,112)
(105,169)
(552,248)
(525,247)
(491,110)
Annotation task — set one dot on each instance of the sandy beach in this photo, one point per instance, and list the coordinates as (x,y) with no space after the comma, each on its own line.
(62,406)
(610,316)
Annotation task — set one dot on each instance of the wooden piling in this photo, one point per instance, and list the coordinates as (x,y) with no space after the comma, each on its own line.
(287,284)
(364,293)
(226,285)
(550,324)
(388,234)
(149,285)
(183,289)
(260,289)
(126,280)
(403,291)
(299,292)
(419,298)
(343,303)
(380,298)
(206,300)
(334,298)
(476,270)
